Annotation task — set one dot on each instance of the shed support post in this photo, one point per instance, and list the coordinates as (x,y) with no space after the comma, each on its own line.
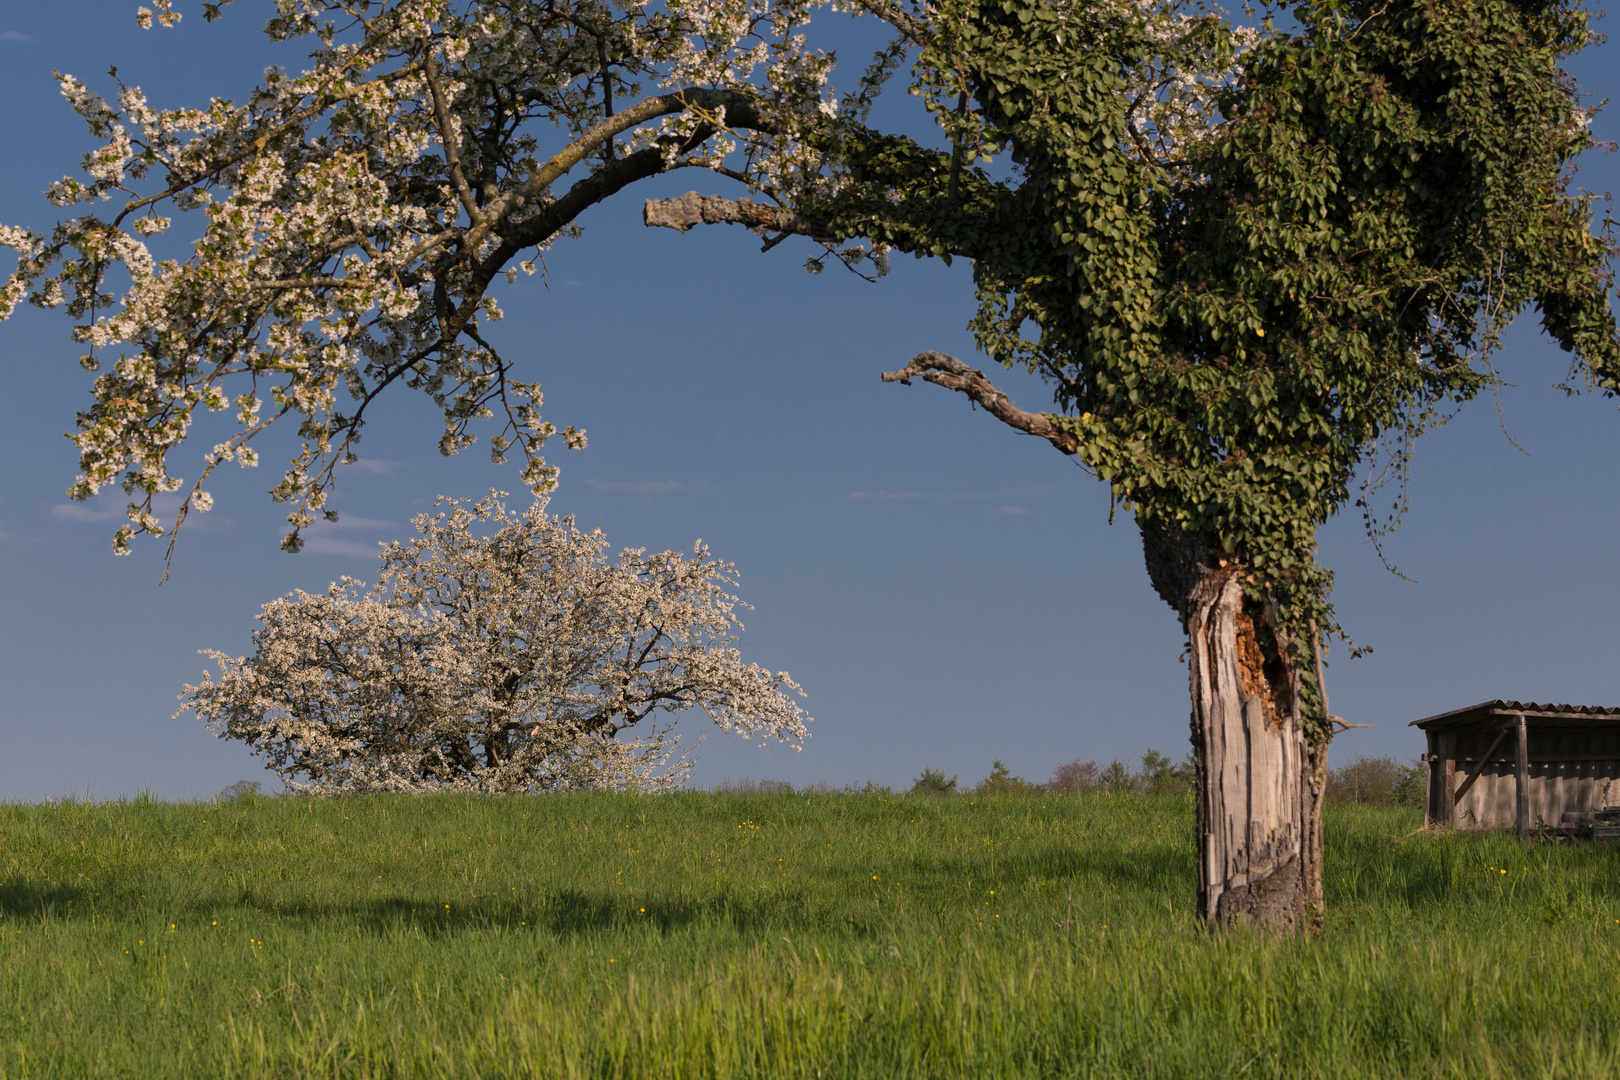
(1522,778)
(1446,808)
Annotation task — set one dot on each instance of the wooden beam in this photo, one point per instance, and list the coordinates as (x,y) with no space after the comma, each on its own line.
(1541,759)
(1522,776)
(1483,761)
(1431,789)
(1448,777)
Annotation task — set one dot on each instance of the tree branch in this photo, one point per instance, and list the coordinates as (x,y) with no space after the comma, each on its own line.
(892,13)
(951,373)
(692,209)
(740,112)
(447,137)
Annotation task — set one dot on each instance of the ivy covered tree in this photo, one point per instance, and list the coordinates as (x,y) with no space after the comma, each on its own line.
(1252,265)
(1251,262)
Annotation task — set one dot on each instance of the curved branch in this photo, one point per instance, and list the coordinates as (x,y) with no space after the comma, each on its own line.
(918,31)
(740,112)
(953,374)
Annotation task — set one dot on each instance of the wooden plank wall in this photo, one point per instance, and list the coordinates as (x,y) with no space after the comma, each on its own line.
(1572,770)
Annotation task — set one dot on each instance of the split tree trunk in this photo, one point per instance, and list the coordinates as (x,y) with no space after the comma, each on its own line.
(1260,782)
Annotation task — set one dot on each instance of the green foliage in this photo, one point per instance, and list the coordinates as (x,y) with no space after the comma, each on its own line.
(934,782)
(1001,781)
(1158,776)
(1239,325)
(726,935)
(1378,781)
(1412,789)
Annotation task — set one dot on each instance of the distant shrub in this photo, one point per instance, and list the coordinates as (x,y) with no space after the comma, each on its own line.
(1160,776)
(1074,778)
(746,786)
(1412,789)
(1378,781)
(1001,781)
(1117,777)
(239,789)
(869,787)
(933,782)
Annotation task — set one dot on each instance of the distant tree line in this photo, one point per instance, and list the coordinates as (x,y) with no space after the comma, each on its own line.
(1369,781)
(1158,775)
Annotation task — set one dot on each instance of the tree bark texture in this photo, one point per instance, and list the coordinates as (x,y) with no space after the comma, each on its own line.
(1260,781)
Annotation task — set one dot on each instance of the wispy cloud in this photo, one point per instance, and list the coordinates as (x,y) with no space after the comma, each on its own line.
(345,521)
(326,545)
(318,537)
(101,511)
(946,496)
(112,506)
(890,496)
(638,487)
(884,496)
(380,466)
(13,35)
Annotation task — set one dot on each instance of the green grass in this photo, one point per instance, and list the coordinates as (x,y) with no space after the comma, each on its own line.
(836,936)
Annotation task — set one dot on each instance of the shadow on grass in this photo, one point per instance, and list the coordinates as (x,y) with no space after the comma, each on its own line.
(564,912)
(29,899)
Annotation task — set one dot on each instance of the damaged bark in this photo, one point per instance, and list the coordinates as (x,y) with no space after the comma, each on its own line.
(1260,777)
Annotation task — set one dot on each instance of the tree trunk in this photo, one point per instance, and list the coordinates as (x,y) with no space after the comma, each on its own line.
(1260,780)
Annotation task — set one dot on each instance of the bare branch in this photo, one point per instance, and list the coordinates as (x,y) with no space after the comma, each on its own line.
(953,374)
(692,209)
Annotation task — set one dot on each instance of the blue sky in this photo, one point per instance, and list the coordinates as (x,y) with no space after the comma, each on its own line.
(946,590)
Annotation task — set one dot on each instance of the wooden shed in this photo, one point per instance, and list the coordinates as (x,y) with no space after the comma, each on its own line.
(1519,765)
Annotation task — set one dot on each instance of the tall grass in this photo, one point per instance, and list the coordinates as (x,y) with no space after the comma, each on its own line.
(778,935)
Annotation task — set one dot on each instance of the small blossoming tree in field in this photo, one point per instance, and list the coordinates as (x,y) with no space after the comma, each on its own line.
(522,659)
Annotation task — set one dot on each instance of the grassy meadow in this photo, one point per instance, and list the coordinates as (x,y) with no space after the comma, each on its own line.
(736,935)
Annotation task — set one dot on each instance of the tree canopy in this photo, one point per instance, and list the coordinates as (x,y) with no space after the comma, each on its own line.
(1302,258)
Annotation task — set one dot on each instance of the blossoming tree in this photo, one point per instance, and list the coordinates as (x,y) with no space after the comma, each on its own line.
(354,216)
(518,659)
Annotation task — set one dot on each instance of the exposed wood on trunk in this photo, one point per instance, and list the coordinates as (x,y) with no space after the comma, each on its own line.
(1259,797)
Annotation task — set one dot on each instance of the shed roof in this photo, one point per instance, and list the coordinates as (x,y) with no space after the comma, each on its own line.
(1485,711)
